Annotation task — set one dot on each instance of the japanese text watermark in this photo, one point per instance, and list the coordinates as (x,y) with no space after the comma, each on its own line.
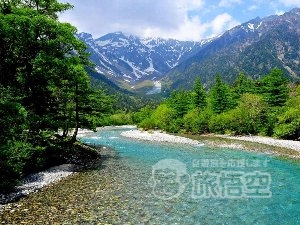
(229,163)
(170,178)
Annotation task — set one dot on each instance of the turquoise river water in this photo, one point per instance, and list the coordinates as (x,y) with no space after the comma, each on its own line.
(142,182)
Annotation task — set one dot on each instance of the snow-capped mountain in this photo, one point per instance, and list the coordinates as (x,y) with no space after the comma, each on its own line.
(130,59)
(254,48)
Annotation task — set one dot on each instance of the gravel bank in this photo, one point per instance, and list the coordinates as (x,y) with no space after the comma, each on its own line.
(286,148)
(295,145)
(158,136)
(36,181)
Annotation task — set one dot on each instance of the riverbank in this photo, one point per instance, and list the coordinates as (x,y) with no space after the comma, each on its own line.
(267,145)
(294,145)
(158,136)
(82,158)
(37,181)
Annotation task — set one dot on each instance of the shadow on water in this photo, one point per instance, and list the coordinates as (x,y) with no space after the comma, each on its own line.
(106,154)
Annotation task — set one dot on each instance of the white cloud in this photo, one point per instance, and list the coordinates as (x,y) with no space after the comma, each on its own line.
(222,22)
(295,3)
(178,19)
(135,17)
(189,29)
(189,4)
(252,7)
(229,3)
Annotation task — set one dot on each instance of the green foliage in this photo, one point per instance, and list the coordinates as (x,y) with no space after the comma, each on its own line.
(199,95)
(252,114)
(196,121)
(15,157)
(181,102)
(243,85)
(147,124)
(142,114)
(121,118)
(242,109)
(222,123)
(221,96)
(249,116)
(288,125)
(44,87)
(163,117)
(12,116)
(274,87)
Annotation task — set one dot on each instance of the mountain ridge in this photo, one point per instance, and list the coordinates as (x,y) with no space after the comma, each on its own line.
(132,60)
(253,47)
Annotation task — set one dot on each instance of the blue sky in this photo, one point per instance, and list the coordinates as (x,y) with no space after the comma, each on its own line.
(178,19)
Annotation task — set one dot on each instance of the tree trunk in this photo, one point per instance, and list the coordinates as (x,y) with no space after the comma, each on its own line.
(73,140)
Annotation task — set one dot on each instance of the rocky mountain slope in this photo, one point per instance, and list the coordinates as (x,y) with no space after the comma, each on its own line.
(127,59)
(253,47)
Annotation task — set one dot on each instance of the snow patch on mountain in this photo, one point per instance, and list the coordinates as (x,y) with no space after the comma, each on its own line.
(136,71)
(136,59)
(150,69)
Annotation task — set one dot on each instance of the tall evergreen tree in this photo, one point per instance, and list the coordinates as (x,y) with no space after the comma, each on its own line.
(274,87)
(243,85)
(199,94)
(181,102)
(42,58)
(221,96)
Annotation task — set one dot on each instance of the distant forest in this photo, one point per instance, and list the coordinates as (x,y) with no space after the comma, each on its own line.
(268,106)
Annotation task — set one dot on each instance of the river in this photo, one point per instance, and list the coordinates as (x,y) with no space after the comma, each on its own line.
(140,182)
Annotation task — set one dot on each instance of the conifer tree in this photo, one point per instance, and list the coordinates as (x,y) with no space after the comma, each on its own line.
(221,96)
(274,88)
(199,94)
(243,85)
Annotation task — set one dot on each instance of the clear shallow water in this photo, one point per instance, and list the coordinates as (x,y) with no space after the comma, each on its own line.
(283,207)
(120,190)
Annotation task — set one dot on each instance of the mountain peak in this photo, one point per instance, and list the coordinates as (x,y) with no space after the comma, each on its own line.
(129,59)
(254,48)
(295,11)
(84,35)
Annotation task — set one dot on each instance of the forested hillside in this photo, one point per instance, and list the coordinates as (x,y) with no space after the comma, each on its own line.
(123,99)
